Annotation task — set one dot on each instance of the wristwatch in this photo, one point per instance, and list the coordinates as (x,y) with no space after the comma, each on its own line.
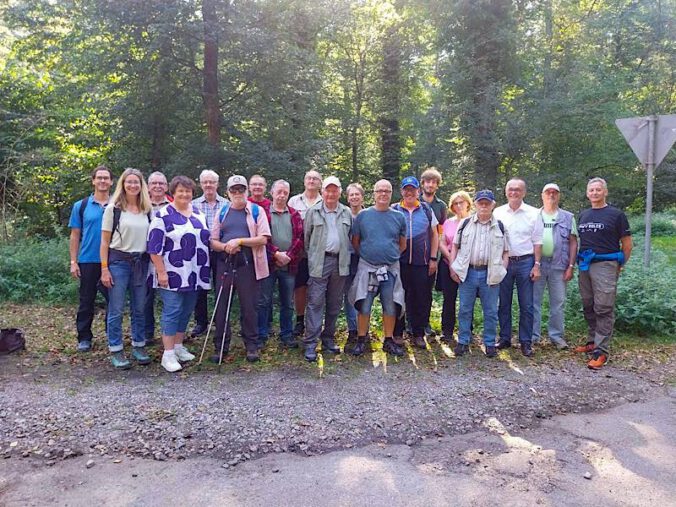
(537,263)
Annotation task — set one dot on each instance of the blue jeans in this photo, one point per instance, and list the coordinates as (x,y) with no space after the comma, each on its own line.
(176,310)
(517,272)
(350,311)
(122,274)
(552,279)
(474,284)
(286,282)
(149,313)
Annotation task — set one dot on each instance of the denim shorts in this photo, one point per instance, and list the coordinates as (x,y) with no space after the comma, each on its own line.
(386,291)
(176,310)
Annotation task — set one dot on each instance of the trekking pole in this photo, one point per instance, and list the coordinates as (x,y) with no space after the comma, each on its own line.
(227,310)
(213,315)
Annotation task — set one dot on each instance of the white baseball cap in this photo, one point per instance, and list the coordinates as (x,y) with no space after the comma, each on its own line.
(236,179)
(551,186)
(331,180)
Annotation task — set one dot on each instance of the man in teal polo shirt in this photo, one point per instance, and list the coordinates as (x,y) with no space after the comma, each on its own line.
(85,260)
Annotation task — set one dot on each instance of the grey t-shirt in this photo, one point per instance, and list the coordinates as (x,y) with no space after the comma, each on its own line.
(234,226)
(379,233)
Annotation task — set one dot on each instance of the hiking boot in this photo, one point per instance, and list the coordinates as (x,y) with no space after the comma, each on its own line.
(182,354)
(585,349)
(491,351)
(447,338)
(198,330)
(504,344)
(419,342)
(84,346)
(329,345)
(170,362)
(120,361)
(299,328)
(289,343)
(393,348)
(252,356)
(429,331)
(351,341)
(213,358)
(359,347)
(140,355)
(598,360)
(310,353)
(460,349)
(561,345)
(527,349)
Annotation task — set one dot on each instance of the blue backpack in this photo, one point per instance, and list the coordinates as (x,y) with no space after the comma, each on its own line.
(226,207)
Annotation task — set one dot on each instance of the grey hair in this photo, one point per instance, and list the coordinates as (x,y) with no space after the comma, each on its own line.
(209,172)
(157,173)
(598,180)
(280,182)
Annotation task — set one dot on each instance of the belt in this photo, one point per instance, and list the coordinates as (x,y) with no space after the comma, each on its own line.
(331,254)
(478,268)
(518,258)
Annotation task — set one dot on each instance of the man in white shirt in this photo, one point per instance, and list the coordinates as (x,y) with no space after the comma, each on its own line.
(525,251)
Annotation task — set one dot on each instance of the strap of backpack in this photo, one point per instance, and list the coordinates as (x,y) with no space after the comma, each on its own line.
(83,205)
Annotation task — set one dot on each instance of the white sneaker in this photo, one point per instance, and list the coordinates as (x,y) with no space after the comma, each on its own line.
(169,361)
(182,353)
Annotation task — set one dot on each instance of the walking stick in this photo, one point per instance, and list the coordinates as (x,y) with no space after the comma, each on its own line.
(213,315)
(227,310)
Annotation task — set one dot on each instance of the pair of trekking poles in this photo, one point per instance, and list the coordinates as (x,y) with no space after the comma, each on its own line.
(230,260)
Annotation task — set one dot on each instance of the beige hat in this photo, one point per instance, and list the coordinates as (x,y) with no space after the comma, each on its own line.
(551,186)
(331,180)
(236,179)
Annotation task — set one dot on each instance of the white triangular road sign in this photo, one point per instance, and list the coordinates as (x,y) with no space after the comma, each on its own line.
(635,131)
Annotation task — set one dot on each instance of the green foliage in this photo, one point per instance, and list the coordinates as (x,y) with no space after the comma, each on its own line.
(662,224)
(36,271)
(645,302)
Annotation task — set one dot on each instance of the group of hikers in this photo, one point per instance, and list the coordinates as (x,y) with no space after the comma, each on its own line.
(324,257)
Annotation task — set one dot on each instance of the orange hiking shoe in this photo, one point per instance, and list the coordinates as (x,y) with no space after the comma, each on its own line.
(598,361)
(586,348)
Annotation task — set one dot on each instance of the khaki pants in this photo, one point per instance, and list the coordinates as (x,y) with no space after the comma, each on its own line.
(598,289)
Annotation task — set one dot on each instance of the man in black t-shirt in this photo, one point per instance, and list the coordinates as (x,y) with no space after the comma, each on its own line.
(605,247)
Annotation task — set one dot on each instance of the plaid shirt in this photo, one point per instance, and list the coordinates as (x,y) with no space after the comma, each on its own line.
(209,210)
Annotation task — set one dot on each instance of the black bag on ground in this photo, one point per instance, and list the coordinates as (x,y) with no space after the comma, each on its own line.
(11,340)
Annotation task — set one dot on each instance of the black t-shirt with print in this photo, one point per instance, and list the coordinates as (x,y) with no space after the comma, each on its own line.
(601,229)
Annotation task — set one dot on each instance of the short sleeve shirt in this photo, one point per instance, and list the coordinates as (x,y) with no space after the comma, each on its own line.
(524,227)
(90,231)
(132,231)
(379,233)
(301,204)
(548,222)
(183,242)
(601,229)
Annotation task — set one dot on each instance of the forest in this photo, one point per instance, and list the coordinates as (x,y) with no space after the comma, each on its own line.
(362,89)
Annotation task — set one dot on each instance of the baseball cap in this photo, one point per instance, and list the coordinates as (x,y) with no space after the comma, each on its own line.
(410,181)
(236,179)
(330,180)
(484,194)
(551,186)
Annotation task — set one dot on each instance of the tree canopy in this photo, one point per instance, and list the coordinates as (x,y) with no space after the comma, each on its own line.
(363,89)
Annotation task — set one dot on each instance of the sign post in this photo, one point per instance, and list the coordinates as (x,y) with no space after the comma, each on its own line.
(650,138)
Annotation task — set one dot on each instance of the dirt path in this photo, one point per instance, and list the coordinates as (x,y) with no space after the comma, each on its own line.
(628,454)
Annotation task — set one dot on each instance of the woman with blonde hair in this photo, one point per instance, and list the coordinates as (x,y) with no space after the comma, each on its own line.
(124,263)
(460,206)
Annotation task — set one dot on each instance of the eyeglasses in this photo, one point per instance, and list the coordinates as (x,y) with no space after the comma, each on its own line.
(237,190)
(458,203)
(382,191)
(209,182)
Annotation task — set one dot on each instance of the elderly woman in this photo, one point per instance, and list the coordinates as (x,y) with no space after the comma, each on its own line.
(178,244)
(124,264)
(460,206)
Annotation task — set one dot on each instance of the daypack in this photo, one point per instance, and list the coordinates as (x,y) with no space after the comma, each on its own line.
(464,224)
(85,201)
(11,340)
(224,210)
(117,213)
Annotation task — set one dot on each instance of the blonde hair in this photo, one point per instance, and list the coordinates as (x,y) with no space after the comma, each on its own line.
(464,196)
(119,198)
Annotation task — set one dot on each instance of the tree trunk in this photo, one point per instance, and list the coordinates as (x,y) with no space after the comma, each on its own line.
(389,120)
(210,81)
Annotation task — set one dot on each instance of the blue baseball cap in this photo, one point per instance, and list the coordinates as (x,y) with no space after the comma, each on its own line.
(484,194)
(410,181)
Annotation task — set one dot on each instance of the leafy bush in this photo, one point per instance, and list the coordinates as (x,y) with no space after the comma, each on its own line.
(645,297)
(34,270)
(663,224)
